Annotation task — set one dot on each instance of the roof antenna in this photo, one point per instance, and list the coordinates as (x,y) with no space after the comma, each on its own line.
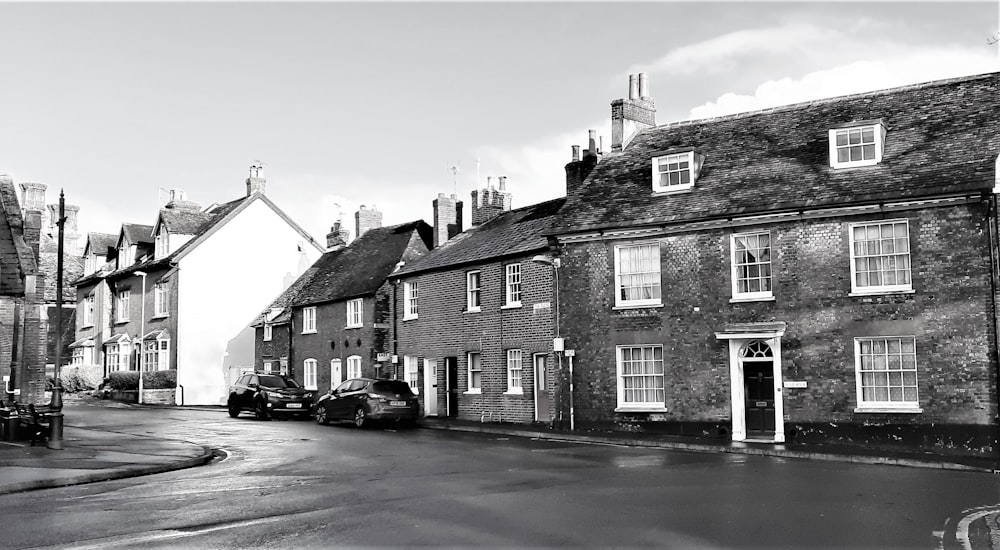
(455,169)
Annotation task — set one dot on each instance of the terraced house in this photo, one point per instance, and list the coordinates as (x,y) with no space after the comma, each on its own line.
(181,293)
(475,319)
(819,272)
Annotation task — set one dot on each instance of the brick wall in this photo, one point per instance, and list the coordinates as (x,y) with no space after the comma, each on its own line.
(445,329)
(949,313)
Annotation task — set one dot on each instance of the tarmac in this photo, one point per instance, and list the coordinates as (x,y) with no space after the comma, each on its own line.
(89,455)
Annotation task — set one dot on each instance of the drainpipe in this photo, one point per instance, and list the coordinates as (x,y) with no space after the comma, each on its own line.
(181,386)
(991,221)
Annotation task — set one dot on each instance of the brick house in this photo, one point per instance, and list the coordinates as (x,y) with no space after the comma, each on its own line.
(182,291)
(821,272)
(22,325)
(333,322)
(475,318)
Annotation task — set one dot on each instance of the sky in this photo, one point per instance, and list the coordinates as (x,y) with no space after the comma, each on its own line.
(373,103)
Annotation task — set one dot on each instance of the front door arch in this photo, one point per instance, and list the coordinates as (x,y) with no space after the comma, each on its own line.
(755,383)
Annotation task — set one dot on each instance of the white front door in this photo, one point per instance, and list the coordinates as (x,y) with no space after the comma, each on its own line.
(430,387)
(335,374)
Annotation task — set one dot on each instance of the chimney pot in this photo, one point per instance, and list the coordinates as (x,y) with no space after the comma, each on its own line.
(592,142)
(643,86)
(576,153)
(503,182)
(633,87)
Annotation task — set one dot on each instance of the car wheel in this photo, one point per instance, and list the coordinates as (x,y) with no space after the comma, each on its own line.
(260,410)
(360,418)
(321,416)
(234,409)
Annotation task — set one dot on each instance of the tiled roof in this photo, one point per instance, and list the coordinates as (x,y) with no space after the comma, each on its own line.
(512,233)
(361,268)
(138,233)
(942,137)
(183,222)
(99,243)
(16,257)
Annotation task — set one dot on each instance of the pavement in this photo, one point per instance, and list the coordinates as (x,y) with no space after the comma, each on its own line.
(90,455)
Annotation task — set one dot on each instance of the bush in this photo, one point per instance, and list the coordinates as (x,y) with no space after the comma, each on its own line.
(160,380)
(81,377)
(123,380)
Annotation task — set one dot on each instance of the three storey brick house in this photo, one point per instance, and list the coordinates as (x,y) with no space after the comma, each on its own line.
(821,272)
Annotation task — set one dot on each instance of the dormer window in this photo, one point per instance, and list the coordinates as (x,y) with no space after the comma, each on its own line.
(676,172)
(856,145)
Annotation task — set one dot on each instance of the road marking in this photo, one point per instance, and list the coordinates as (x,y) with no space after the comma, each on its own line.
(128,541)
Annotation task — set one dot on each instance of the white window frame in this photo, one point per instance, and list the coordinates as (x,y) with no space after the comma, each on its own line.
(512,285)
(161,299)
(748,267)
(121,312)
(884,358)
(635,405)
(117,355)
(156,354)
(478,364)
(877,144)
(268,369)
(411,294)
(674,163)
(310,369)
(620,275)
(883,256)
(354,366)
(411,372)
(268,332)
(88,310)
(309,320)
(161,245)
(515,366)
(473,292)
(355,313)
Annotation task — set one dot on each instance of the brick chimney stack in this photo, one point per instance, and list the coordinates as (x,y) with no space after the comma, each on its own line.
(447,218)
(488,203)
(337,237)
(33,197)
(578,169)
(365,219)
(178,201)
(632,115)
(255,183)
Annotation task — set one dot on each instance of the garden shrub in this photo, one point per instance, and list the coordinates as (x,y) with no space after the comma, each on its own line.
(76,378)
(160,380)
(123,380)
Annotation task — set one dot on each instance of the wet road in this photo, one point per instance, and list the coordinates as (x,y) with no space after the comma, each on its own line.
(290,484)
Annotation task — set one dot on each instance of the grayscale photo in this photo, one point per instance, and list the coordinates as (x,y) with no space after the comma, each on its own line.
(518,275)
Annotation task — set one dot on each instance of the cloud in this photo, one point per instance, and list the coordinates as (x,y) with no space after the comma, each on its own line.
(857,77)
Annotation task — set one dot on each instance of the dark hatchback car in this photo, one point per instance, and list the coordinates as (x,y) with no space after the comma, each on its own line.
(366,400)
(269,394)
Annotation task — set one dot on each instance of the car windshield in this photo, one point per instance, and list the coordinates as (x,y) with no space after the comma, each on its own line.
(386,387)
(277,382)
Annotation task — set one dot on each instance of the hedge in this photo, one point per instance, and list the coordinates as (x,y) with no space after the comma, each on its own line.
(129,380)
(81,377)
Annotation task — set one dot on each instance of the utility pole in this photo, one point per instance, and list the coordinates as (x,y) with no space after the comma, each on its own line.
(55,439)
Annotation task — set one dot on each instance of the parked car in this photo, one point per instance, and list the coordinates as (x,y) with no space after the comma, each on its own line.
(366,400)
(269,394)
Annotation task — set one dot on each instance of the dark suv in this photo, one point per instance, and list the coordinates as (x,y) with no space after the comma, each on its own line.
(364,399)
(269,394)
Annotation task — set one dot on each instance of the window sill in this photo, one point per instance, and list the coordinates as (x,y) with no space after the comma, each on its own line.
(513,305)
(620,307)
(265,339)
(514,393)
(856,164)
(353,326)
(161,316)
(87,325)
(470,310)
(308,332)
(749,299)
(679,190)
(412,318)
(857,293)
(890,410)
(474,392)
(641,409)
(121,321)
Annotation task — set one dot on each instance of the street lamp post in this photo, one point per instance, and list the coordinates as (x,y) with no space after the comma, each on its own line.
(142,328)
(555,263)
(55,439)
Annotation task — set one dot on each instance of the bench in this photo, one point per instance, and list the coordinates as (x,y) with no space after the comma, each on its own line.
(35,422)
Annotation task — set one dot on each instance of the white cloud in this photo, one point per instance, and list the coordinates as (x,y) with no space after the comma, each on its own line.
(857,77)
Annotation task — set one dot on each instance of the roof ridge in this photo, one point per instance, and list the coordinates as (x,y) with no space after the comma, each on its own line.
(825,100)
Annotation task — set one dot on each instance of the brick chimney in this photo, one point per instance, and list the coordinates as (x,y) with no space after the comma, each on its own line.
(578,169)
(447,218)
(33,197)
(365,219)
(337,237)
(255,183)
(488,203)
(632,115)
(178,201)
